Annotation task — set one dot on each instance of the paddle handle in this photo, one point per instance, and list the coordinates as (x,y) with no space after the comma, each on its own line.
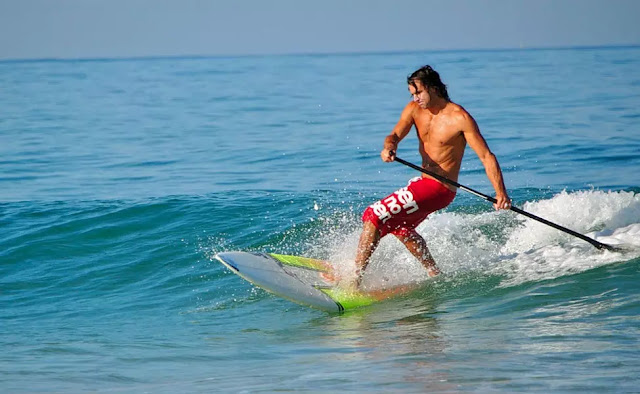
(439,177)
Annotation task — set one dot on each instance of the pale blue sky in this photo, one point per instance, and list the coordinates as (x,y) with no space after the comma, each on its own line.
(126,28)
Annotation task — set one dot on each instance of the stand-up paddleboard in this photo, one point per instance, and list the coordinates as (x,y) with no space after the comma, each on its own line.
(301,280)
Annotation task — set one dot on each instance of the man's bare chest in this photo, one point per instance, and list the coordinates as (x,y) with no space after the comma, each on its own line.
(437,132)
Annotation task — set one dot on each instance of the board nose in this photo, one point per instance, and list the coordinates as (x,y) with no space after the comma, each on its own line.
(227,259)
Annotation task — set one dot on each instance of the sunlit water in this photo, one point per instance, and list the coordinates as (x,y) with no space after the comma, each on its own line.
(121,179)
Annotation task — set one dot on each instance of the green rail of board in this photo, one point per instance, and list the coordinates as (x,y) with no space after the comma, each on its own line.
(297,261)
(349,299)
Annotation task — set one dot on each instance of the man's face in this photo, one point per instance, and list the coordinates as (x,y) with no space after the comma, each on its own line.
(419,94)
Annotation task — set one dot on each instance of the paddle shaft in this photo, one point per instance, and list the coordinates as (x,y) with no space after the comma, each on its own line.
(592,241)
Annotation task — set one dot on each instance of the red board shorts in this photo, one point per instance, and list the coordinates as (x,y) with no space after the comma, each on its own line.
(402,211)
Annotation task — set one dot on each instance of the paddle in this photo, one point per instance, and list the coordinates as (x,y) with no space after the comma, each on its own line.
(592,241)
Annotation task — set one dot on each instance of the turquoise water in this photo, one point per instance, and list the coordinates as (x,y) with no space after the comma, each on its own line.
(121,179)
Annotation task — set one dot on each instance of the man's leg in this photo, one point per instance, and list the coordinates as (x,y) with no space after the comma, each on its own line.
(369,240)
(418,247)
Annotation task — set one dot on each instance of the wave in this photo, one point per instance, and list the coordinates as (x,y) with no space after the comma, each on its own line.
(157,253)
(513,247)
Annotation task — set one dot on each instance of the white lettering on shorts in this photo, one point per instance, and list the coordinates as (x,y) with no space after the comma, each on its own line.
(394,204)
(381,211)
(406,198)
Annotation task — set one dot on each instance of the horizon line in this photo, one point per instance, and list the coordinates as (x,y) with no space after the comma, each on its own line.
(337,53)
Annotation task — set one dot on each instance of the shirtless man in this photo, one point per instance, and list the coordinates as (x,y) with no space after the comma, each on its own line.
(444,129)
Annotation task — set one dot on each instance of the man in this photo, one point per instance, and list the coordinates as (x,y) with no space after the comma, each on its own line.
(444,128)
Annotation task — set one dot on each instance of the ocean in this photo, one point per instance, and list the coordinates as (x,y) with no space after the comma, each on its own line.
(120,179)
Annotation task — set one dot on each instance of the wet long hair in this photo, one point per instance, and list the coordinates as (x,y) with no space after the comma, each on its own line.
(429,78)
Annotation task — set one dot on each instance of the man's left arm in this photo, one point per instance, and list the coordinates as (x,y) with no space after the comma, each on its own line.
(477,142)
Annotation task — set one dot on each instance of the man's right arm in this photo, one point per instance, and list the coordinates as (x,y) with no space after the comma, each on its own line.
(400,131)
(477,142)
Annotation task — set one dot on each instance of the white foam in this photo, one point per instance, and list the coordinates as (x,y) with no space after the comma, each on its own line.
(507,244)
(580,211)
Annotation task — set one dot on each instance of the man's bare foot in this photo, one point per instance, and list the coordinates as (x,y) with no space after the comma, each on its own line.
(329,277)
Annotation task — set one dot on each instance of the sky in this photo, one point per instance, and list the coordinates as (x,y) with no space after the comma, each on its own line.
(137,28)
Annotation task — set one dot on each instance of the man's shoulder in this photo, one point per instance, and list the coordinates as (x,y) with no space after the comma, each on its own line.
(412,106)
(409,112)
(457,112)
(456,109)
